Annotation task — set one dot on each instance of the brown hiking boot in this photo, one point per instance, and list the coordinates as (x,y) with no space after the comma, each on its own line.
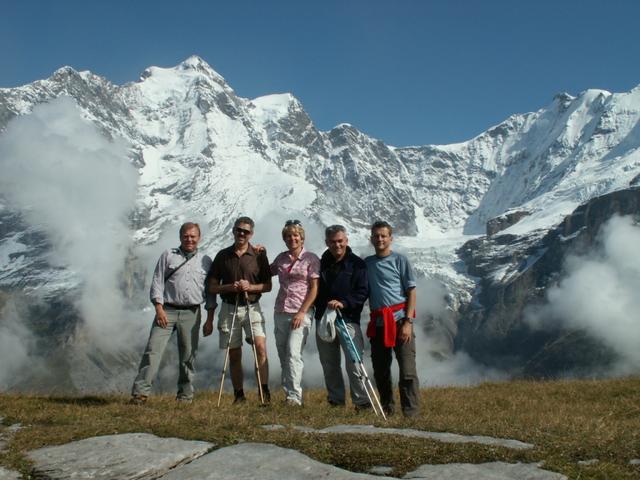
(266,394)
(138,400)
(364,407)
(238,397)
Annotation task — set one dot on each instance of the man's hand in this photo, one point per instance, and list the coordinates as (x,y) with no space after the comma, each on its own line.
(405,332)
(241,286)
(207,328)
(161,316)
(333,304)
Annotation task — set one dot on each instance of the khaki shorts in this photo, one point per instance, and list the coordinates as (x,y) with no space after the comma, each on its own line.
(225,317)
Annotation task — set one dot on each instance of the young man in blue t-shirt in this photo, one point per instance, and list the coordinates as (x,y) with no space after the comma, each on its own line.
(392,300)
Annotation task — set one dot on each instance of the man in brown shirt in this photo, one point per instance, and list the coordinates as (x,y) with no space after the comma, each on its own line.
(239,274)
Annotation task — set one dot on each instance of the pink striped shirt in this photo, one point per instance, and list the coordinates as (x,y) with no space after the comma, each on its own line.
(294,277)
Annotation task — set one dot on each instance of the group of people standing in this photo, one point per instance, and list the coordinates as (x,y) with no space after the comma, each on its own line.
(310,287)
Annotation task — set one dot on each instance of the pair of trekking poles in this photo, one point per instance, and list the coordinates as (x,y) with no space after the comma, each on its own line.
(253,345)
(361,371)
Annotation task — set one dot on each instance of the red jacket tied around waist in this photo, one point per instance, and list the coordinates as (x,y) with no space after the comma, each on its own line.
(389,323)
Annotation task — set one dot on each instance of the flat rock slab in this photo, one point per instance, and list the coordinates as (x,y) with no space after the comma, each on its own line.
(381,470)
(9,474)
(484,471)
(407,432)
(115,457)
(260,460)
(144,456)
(6,433)
(268,462)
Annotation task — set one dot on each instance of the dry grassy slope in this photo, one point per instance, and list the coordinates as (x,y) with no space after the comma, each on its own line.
(568,421)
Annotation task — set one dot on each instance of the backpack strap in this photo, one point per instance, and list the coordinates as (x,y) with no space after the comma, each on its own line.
(167,277)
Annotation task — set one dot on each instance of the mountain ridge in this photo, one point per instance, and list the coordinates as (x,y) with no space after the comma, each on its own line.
(204,153)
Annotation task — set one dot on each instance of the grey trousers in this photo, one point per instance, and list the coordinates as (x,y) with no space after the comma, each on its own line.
(186,324)
(330,358)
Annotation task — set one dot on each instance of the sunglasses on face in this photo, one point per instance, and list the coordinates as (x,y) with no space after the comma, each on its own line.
(242,231)
(293,222)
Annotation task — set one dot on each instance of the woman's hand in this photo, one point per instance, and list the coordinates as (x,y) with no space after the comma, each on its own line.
(297,320)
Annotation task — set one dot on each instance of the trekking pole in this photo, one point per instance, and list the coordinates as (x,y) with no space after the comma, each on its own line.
(357,359)
(226,355)
(255,353)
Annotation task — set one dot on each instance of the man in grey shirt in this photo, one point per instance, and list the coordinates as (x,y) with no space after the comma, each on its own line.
(177,290)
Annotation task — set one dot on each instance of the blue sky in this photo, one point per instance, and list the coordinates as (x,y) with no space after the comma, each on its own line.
(407,72)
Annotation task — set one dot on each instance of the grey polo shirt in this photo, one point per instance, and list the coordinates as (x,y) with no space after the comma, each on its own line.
(186,286)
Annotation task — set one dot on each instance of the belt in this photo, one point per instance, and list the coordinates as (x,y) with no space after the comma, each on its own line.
(193,308)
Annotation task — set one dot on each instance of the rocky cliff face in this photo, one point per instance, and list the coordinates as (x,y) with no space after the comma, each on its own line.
(204,153)
(515,273)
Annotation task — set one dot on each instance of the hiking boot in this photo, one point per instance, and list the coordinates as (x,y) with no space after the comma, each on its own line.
(184,400)
(138,400)
(363,408)
(238,397)
(266,394)
(411,413)
(334,403)
(292,402)
(389,410)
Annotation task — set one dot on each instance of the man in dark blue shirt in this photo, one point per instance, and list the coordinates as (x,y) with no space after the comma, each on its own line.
(343,284)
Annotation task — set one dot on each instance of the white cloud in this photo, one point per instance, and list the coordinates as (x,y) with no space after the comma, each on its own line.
(438,363)
(70,181)
(14,347)
(600,293)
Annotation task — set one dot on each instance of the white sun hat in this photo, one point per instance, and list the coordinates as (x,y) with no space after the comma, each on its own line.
(327,326)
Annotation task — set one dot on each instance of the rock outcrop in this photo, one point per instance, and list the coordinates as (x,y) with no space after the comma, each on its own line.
(515,272)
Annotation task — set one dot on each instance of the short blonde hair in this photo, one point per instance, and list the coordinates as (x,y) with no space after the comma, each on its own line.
(293,228)
(188,226)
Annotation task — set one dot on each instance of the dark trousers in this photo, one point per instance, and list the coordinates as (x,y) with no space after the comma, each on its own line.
(409,387)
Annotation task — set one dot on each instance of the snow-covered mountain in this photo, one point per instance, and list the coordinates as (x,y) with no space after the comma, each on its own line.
(204,153)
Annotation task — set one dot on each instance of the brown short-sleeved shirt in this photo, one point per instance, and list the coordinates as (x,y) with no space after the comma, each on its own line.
(227,268)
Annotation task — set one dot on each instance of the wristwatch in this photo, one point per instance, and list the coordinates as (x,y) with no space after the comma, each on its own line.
(407,319)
